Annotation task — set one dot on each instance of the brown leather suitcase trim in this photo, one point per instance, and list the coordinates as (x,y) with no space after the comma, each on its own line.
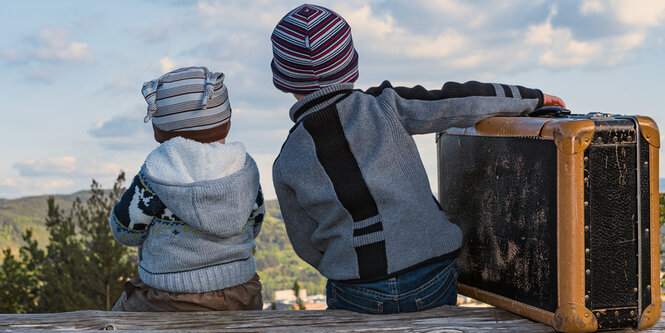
(572,137)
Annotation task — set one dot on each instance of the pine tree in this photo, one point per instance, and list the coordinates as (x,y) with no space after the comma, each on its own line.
(109,263)
(83,267)
(33,258)
(62,267)
(296,291)
(18,285)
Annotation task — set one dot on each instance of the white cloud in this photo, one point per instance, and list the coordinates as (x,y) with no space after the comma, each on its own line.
(20,186)
(461,40)
(558,48)
(446,43)
(450,7)
(65,166)
(415,42)
(64,174)
(639,13)
(592,7)
(382,34)
(472,38)
(233,13)
(44,53)
(56,45)
(43,185)
(167,64)
(629,41)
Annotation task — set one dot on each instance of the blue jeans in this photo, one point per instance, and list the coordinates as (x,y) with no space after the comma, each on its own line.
(416,290)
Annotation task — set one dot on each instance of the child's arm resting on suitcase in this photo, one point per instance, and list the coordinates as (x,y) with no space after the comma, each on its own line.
(457,104)
(132,216)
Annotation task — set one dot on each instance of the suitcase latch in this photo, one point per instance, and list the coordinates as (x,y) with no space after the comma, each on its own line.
(599,115)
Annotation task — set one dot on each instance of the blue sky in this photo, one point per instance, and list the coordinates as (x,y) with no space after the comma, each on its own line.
(72,70)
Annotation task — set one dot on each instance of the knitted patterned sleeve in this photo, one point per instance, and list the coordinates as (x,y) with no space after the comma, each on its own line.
(258,213)
(424,111)
(133,214)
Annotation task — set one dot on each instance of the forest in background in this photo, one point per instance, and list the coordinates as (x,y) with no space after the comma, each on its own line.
(58,254)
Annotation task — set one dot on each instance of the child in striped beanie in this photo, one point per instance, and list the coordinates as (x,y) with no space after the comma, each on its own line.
(195,207)
(352,189)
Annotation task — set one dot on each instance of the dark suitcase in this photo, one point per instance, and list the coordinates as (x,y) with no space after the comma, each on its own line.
(560,217)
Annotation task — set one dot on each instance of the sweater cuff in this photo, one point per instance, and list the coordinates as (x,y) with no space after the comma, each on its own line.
(541,99)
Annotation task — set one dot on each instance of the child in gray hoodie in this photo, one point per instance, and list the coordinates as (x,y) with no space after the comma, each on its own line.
(195,206)
(351,186)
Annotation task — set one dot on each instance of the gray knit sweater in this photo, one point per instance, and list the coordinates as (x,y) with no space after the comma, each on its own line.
(194,209)
(351,185)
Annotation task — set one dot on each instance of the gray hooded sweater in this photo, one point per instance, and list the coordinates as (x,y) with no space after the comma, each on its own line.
(194,209)
(351,186)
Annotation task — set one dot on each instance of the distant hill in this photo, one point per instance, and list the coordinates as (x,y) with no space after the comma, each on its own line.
(277,264)
(30,212)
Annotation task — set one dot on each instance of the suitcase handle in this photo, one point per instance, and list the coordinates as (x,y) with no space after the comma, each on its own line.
(550,111)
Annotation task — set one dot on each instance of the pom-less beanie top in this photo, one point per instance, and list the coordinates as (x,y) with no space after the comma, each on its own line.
(312,49)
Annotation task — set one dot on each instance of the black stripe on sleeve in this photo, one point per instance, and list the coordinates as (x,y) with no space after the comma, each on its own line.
(450,90)
(528,93)
(455,90)
(467,89)
(507,91)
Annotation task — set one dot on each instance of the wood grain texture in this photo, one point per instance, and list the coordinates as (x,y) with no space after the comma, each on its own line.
(442,319)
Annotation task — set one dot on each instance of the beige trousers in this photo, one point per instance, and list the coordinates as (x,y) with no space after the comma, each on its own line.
(138,297)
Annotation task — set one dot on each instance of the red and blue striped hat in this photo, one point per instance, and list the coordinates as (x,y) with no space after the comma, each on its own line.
(312,48)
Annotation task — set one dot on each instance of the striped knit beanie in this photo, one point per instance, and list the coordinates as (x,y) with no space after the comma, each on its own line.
(312,48)
(189,102)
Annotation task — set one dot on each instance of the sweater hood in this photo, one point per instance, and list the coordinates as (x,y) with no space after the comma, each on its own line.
(209,186)
(186,161)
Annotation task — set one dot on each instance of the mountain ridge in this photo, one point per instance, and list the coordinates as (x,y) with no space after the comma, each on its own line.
(277,264)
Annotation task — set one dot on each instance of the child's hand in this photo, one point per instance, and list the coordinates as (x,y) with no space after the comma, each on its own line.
(549,100)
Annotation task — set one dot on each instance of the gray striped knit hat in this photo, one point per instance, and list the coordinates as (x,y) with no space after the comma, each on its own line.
(190,102)
(312,48)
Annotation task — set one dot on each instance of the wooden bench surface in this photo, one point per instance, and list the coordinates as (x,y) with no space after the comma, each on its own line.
(442,319)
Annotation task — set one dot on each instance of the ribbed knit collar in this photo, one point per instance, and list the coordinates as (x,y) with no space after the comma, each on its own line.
(318,100)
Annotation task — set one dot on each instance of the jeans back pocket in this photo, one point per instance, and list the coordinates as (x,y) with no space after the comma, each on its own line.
(348,298)
(442,290)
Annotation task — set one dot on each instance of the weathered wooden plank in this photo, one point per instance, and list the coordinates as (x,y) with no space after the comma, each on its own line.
(443,319)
